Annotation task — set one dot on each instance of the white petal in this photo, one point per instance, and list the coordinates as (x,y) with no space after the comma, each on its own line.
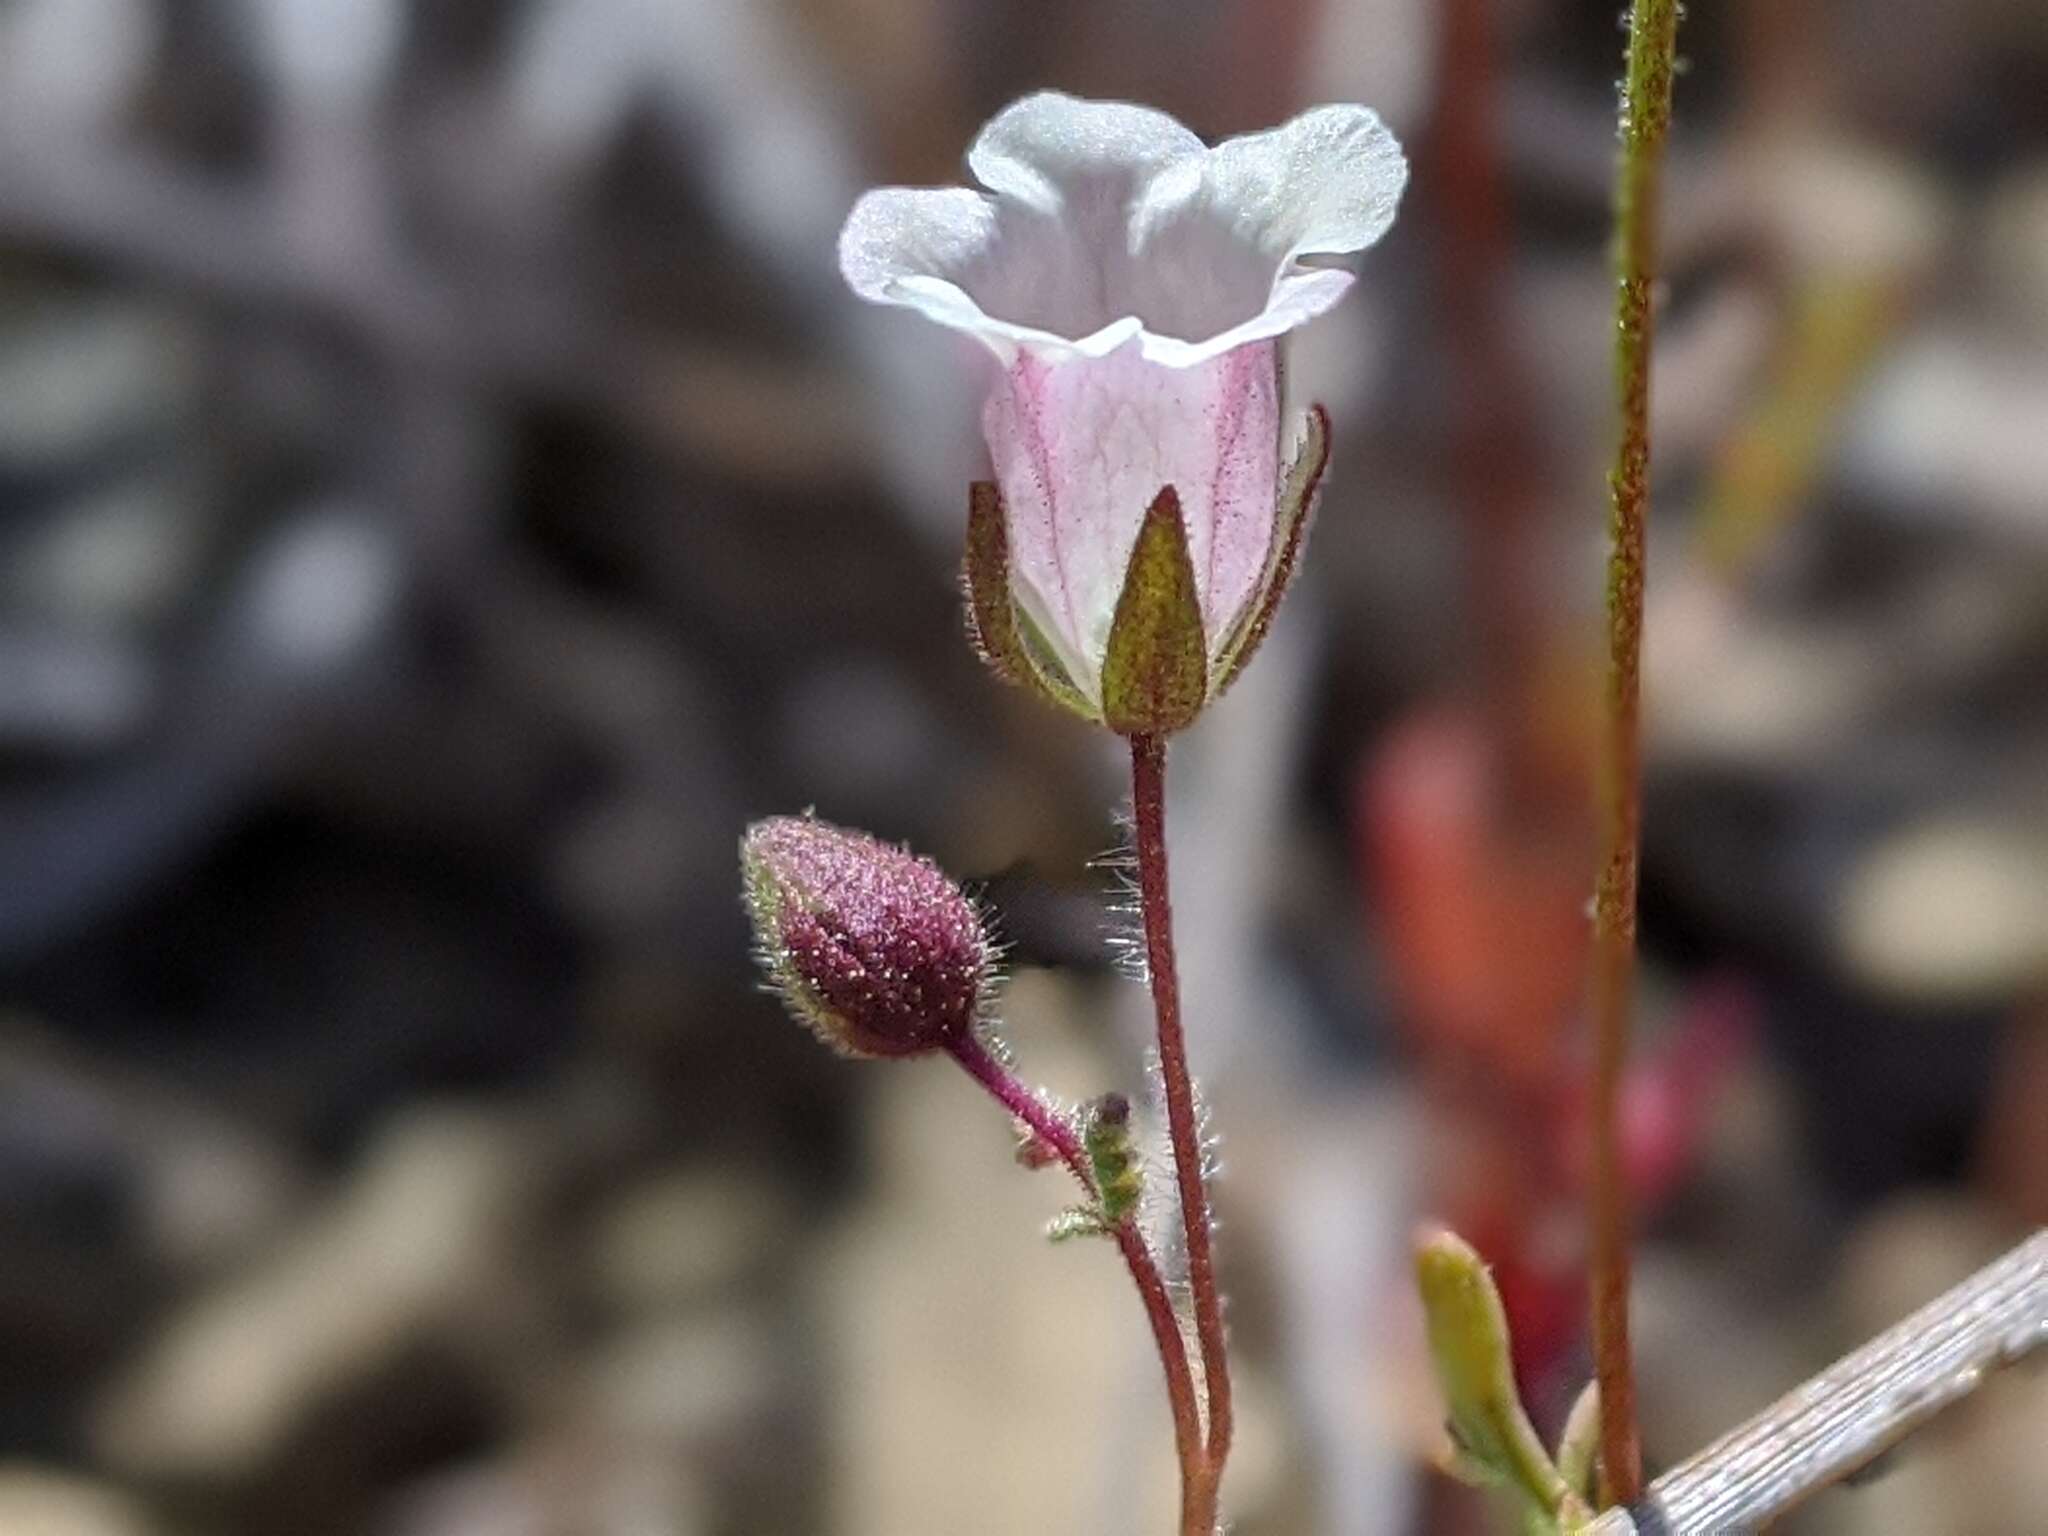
(896,233)
(1105,221)
(964,260)
(1268,210)
(1065,175)
(1060,154)
(1325,184)
(1295,300)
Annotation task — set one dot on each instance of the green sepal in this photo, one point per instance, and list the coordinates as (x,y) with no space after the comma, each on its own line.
(1003,635)
(1155,669)
(1495,1444)
(991,620)
(1297,499)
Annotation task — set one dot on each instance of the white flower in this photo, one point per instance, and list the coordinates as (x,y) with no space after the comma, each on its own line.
(1133,284)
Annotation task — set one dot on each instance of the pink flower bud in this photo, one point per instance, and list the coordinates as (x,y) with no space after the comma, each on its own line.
(872,947)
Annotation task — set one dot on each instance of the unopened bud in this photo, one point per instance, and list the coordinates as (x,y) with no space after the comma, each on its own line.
(873,948)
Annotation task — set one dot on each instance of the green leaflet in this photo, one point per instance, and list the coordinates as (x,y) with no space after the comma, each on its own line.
(1578,1447)
(1077,1221)
(1468,1341)
(1119,1180)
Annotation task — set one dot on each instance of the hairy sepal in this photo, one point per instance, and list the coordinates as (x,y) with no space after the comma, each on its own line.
(1155,670)
(1001,632)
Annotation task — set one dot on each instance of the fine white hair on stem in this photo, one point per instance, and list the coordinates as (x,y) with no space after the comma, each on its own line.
(1123,926)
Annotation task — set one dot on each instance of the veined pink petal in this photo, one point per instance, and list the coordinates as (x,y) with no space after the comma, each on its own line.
(1243,494)
(1083,445)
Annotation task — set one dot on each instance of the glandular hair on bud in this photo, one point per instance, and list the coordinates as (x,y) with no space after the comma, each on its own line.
(872,947)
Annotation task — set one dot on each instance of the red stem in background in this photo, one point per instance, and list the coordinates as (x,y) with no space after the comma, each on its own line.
(1148,804)
(1494,466)
(1646,115)
(1198,1495)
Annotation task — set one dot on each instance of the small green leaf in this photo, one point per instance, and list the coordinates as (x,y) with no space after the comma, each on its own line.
(1578,1447)
(1078,1221)
(1468,1340)
(1297,499)
(1002,634)
(1155,671)
(1112,1160)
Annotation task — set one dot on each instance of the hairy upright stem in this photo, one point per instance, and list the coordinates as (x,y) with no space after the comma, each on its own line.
(1148,803)
(1646,115)
(1197,1486)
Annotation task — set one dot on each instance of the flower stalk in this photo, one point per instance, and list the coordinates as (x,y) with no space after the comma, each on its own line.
(1148,802)
(1132,287)
(1645,119)
(1198,1499)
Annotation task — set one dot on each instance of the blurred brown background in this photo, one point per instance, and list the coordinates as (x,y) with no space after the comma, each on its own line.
(446,491)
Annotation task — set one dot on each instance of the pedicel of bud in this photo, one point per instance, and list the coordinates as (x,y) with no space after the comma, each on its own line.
(1134,288)
(873,948)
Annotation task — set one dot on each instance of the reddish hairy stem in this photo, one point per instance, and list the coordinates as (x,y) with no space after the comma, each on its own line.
(1621,1460)
(1646,115)
(1197,1486)
(1148,804)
